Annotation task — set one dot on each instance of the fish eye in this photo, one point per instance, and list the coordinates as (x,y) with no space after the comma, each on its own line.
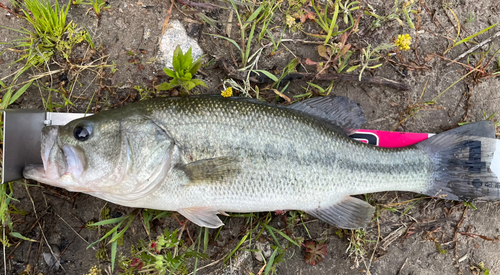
(82,132)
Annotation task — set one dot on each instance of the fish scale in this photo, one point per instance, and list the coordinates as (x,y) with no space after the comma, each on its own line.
(318,152)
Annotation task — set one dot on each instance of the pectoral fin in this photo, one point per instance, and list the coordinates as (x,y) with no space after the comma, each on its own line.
(350,213)
(202,216)
(211,170)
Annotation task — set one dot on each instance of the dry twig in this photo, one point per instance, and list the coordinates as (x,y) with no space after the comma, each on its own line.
(475,48)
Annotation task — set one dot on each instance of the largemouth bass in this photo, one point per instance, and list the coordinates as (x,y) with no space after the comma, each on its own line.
(202,156)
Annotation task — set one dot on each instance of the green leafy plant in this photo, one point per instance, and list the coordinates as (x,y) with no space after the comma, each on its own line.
(289,68)
(167,253)
(481,268)
(144,92)
(330,25)
(267,19)
(114,236)
(183,73)
(315,252)
(400,7)
(97,5)
(295,11)
(150,215)
(368,56)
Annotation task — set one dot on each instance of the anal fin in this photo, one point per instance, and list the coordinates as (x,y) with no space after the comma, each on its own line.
(202,216)
(350,213)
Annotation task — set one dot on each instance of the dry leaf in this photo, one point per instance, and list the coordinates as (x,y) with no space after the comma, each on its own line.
(310,62)
(310,15)
(329,51)
(319,67)
(323,52)
(345,49)
(303,18)
(429,57)
(343,39)
(280,94)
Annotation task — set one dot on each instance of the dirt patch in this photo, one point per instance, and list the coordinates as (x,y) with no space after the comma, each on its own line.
(418,236)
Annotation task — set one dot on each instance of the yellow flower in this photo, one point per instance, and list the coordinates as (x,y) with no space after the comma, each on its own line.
(95,271)
(228,92)
(403,42)
(290,21)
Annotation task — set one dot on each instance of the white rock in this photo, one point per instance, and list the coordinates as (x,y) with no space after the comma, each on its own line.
(263,250)
(176,35)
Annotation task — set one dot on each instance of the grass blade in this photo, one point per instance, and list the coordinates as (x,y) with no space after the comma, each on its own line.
(117,236)
(255,14)
(282,234)
(109,221)
(474,35)
(237,247)
(20,92)
(333,23)
(205,240)
(271,261)
(268,74)
(458,24)
(114,249)
(249,43)
(19,236)
(114,229)
(272,234)
(228,39)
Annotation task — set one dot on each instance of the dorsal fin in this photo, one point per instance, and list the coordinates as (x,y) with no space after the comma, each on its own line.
(338,110)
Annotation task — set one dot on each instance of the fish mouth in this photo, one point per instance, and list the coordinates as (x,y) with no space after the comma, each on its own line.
(62,164)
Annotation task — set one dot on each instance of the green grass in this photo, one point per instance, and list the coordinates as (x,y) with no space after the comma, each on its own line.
(50,35)
(97,5)
(328,25)
(5,198)
(468,38)
(357,245)
(122,225)
(49,22)
(49,25)
(166,253)
(369,56)
(400,7)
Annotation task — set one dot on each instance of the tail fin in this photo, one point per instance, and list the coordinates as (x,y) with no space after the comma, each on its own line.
(462,159)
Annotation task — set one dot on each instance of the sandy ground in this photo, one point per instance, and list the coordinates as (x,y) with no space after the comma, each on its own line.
(426,236)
